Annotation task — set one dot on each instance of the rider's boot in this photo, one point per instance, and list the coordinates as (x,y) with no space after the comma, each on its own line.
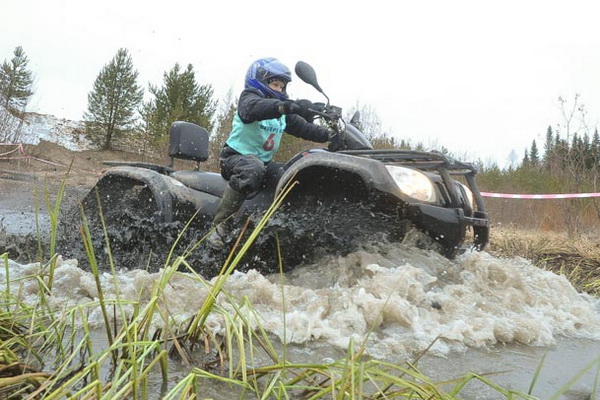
(230,203)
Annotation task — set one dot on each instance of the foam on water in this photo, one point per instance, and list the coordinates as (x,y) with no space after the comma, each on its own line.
(399,299)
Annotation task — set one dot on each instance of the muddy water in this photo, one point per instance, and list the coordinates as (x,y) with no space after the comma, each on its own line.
(24,222)
(482,314)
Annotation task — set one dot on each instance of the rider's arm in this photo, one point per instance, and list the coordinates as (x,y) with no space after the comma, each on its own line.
(252,106)
(299,127)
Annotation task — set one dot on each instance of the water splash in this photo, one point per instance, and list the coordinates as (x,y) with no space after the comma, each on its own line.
(395,298)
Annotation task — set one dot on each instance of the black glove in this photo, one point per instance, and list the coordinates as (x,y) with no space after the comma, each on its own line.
(300,107)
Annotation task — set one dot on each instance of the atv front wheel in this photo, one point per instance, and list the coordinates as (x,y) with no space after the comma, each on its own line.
(308,228)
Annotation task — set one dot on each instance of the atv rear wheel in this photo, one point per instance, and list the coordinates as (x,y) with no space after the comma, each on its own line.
(137,236)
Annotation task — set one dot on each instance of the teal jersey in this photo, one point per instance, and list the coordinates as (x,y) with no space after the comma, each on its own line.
(259,138)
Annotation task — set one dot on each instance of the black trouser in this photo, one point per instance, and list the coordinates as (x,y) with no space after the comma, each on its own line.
(246,173)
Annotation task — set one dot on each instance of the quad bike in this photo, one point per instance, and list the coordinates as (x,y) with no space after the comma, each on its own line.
(343,197)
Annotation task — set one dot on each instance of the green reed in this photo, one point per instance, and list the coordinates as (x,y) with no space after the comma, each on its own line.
(54,351)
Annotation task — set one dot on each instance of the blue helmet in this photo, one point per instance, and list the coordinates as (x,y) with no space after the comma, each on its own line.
(265,70)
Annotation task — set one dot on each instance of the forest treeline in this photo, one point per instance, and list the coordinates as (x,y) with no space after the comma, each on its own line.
(121,113)
(569,163)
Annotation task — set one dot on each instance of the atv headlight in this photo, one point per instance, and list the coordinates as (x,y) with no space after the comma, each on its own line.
(413,183)
(469,195)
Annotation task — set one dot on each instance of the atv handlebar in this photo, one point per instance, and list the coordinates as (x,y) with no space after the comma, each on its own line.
(331,115)
(326,111)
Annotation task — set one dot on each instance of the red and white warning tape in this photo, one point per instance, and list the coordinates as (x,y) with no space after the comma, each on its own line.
(33,158)
(18,148)
(539,196)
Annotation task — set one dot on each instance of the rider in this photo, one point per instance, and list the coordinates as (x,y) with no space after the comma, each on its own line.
(264,114)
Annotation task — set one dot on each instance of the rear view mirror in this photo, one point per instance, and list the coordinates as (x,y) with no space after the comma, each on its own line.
(307,74)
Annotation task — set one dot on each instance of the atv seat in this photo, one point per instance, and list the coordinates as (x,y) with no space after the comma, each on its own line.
(188,142)
(207,182)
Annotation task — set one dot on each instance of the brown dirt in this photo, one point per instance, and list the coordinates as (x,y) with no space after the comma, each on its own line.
(49,160)
(42,168)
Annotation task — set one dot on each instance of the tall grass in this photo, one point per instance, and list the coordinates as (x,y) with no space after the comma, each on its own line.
(53,353)
(578,259)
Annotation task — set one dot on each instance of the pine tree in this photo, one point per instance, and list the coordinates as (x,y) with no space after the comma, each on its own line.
(595,150)
(15,81)
(548,146)
(144,137)
(526,161)
(113,101)
(182,99)
(534,156)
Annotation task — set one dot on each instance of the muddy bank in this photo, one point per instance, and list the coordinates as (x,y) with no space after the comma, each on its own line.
(26,200)
(30,182)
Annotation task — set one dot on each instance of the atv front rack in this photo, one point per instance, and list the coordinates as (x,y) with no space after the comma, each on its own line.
(425,160)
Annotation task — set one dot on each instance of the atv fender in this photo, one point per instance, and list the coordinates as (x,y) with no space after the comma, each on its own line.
(174,201)
(372,173)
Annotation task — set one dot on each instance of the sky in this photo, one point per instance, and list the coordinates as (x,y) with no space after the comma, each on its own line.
(479,78)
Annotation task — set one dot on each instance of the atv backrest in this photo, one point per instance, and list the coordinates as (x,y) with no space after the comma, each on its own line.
(188,141)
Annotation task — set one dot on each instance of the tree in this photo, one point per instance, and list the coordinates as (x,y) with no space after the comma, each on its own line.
(221,130)
(594,156)
(113,101)
(512,160)
(16,81)
(370,125)
(548,146)
(534,156)
(144,128)
(181,98)
(525,163)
